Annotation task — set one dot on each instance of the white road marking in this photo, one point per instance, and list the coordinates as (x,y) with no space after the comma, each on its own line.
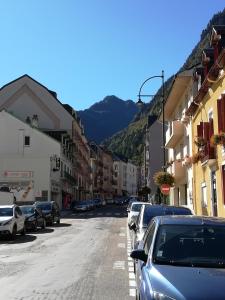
(121,245)
(131,275)
(131,269)
(132,292)
(119,265)
(130,264)
(132,283)
(129,258)
(122,234)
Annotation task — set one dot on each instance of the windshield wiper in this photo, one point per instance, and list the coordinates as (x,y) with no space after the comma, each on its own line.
(191,263)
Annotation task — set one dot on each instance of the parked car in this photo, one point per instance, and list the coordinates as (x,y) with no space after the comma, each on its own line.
(98,202)
(81,206)
(34,217)
(182,257)
(51,211)
(133,210)
(149,211)
(12,220)
(119,201)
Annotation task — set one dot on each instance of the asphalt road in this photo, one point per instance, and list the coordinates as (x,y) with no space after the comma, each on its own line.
(85,257)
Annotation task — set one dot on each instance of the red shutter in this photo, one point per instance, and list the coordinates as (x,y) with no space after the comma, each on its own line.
(200,130)
(206,131)
(223,183)
(219,111)
(223,112)
(211,128)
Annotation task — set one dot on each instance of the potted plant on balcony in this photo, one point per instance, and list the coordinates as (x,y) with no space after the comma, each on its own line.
(196,157)
(222,138)
(162,177)
(215,139)
(187,160)
(200,142)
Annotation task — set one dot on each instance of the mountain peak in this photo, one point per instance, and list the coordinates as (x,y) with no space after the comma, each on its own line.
(106,117)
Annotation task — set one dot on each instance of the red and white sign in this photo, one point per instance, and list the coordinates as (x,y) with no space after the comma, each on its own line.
(18,174)
(165,189)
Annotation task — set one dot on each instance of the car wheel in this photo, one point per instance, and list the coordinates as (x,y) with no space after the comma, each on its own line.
(44,224)
(23,232)
(35,226)
(14,232)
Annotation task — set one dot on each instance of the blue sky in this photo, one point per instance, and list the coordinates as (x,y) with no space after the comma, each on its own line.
(88,49)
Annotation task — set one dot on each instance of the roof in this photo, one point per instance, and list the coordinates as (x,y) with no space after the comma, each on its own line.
(190,220)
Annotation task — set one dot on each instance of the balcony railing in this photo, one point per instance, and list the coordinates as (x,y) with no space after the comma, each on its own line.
(175,134)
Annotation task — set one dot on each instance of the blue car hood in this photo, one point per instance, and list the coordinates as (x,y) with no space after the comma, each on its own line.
(188,283)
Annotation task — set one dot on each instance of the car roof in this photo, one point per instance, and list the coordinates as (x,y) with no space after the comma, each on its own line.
(189,220)
(9,206)
(137,202)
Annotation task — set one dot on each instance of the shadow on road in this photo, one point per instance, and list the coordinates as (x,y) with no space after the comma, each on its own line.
(43,231)
(108,211)
(18,239)
(62,225)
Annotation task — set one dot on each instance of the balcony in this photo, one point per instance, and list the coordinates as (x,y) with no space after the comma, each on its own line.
(179,172)
(175,133)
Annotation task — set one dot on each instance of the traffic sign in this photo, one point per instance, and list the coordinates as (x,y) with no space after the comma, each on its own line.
(165,189)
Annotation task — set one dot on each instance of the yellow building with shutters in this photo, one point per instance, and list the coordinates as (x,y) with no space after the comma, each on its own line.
(208,125)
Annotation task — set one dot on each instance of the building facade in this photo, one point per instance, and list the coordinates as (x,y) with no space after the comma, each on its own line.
(208,125)
(29,161)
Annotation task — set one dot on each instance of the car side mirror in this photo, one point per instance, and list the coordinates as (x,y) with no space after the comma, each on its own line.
(139,254)
(133,226)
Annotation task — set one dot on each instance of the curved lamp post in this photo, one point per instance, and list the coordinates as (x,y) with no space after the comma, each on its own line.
(140,104)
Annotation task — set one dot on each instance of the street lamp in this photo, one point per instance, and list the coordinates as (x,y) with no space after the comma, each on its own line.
(140,104)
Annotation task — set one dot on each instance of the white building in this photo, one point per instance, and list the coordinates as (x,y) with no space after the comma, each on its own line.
(29,161)
(32,102)
(125,177)
(179,138)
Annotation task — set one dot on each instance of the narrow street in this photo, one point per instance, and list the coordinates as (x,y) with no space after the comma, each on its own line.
(85,257)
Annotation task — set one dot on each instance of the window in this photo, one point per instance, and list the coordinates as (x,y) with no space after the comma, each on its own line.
(204,194)
(149,237)
(27,140)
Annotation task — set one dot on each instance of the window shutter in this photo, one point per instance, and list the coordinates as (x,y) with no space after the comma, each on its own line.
(206,131)
(223,112)
(200,130)
(211,128)
(219,112)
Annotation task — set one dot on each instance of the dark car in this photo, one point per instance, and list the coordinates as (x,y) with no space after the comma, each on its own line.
(34,217)
(97,202)
(51,211)
(182,257)
(149,211)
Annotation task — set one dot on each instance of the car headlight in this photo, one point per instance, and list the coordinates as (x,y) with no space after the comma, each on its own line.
(160,296)
(7,222)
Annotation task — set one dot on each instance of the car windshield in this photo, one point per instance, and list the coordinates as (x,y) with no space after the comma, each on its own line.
(44,206)
(27,209)
(6,212)
(151,212)
(136,207)
(190,245)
